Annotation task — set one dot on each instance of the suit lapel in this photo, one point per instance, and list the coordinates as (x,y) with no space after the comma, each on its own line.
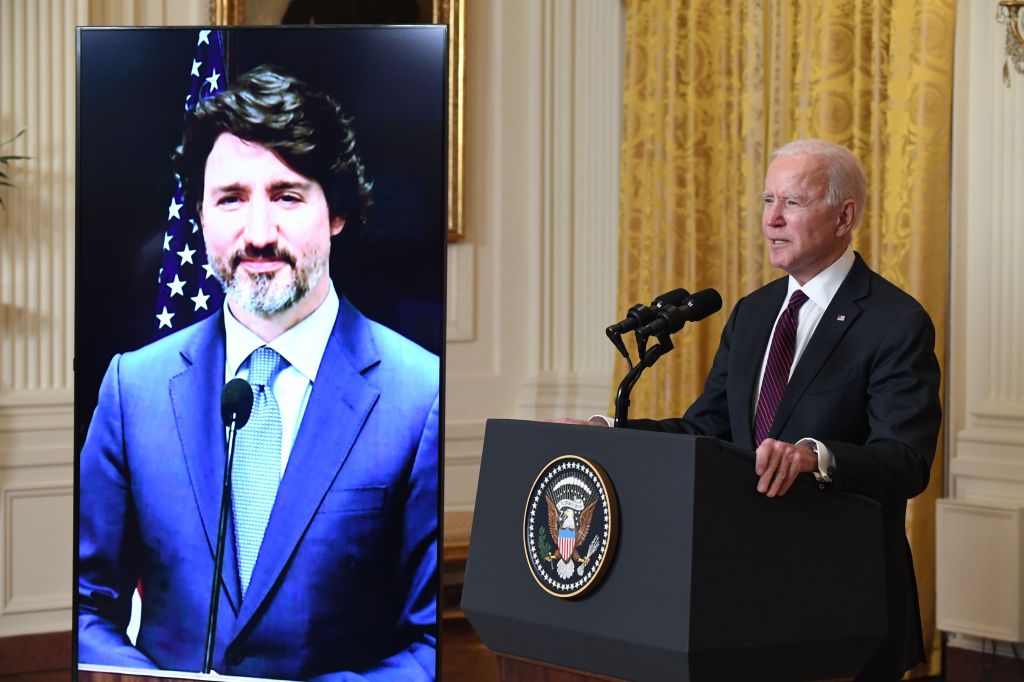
(838,318)
(750,347)
(339,404)
(195,399)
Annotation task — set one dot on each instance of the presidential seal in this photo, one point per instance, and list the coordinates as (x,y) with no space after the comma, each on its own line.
(570,526)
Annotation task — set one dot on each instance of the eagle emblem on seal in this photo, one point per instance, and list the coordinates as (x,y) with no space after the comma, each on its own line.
(570,526)
(569,521)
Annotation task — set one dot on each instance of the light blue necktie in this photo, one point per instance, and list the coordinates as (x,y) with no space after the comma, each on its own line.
(256,471)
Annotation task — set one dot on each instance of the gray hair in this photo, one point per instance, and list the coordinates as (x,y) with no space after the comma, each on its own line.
(846,176)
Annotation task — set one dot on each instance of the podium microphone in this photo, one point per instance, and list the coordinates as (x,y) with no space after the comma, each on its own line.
(235,408)
(672,318)
(639,315)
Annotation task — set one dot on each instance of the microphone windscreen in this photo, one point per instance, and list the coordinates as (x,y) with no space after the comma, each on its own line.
(236,403)
(674,297)
(703,303)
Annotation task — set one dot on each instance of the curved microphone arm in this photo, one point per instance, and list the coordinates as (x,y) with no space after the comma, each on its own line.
(615,337)
(629,381)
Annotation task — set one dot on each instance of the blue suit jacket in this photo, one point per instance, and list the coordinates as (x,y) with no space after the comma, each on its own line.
(346,581)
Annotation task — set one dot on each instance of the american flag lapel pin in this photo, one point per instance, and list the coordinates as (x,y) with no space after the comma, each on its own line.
(841,318)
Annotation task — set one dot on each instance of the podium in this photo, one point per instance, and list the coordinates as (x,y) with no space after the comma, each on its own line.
(710,579)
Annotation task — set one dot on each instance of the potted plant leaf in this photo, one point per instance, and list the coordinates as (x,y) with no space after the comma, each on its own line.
(6,161)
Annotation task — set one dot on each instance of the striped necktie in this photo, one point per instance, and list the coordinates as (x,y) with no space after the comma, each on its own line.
(257,467)
(776,371)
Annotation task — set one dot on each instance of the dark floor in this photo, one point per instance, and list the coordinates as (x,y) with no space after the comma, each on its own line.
(464,658)
(36,658)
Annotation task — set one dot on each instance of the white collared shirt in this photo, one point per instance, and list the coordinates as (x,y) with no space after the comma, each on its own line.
(302,347)
(820,290)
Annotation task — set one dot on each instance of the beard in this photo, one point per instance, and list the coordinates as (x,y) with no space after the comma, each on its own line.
(269,293)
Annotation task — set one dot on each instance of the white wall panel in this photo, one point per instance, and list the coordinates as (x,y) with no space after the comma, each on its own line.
(979,543)
(543,103)
(37,65)
(987,316)
(37,269)
(35,579)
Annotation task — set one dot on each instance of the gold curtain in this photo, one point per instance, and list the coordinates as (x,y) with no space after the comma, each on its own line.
(711,87)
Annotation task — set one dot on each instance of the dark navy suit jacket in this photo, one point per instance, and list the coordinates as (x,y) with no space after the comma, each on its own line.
(346,581)
(867,385)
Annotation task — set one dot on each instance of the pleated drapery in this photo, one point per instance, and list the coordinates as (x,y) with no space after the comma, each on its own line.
(711,88)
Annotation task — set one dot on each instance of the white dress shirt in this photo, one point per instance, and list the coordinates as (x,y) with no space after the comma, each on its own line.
(820,291)
(302,347)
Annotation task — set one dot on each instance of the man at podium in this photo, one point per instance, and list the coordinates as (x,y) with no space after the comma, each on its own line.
(830,370)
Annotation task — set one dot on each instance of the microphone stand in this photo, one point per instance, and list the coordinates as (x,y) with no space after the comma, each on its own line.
(218,562)
(647,359)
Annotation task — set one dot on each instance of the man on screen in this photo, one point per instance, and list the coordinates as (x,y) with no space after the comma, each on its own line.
(830,370)
(331,548)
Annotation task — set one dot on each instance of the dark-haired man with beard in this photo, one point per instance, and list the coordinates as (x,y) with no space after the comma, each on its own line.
(331,549)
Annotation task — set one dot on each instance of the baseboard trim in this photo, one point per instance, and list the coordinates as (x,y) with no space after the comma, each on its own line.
(27,654)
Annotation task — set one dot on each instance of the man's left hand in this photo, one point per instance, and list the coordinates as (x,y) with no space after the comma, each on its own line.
(777,465)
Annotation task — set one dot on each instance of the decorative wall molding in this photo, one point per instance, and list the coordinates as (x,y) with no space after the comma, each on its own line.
(987,317)
(148,12)
(1006,414)
(543,102)
(463,443)
(461,302)
(565,394)
(980,541)
(57,595)
(37,271)
(38,432)
(579,123)
(462,437)
(37,94)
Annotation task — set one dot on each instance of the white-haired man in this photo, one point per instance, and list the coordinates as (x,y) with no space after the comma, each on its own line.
(830,370)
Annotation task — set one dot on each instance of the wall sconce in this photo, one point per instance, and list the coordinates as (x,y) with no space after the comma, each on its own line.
(1008,13)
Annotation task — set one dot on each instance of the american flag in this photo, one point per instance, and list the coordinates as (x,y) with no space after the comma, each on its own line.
(188,291)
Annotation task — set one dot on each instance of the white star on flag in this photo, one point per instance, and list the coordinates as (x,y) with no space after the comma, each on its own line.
(200,300)
(172,210)
(195,68)
(177,286)
(195,225)
(212,80)
(165,319)
(204,37)
(186,255)
(209,269)
(167,241)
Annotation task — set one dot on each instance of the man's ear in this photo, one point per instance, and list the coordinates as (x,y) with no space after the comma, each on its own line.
(336,225)
(846,218)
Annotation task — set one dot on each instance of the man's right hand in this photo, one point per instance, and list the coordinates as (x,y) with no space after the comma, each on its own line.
(593,421)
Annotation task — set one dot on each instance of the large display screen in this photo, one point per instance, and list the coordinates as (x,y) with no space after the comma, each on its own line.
(263,209)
